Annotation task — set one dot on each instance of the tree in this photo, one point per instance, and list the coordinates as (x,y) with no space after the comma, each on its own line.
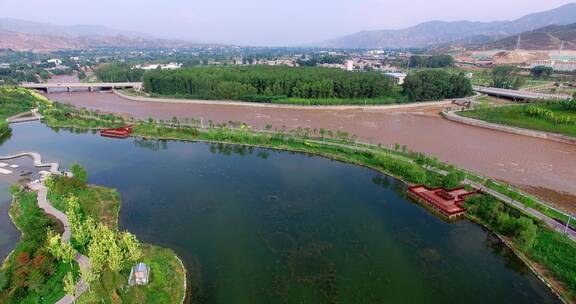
(60,250)
(527,232)
(506,77)
(541,71)
(69,284)
(436,85)
(132,247)
(79,173)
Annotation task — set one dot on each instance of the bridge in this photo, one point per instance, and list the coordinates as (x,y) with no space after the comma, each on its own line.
(519,95)
(46,87)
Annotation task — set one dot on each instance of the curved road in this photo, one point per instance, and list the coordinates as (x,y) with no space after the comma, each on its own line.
(544,168)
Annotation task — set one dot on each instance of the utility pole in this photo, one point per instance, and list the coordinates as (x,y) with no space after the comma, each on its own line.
(518,42)
(567,225)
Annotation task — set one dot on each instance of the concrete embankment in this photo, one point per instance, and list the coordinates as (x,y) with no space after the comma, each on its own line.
(283,106)
(453,116)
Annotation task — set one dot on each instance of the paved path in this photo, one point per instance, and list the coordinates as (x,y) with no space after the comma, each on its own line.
(445,102)
(24,117)
(516,94)
(550,222)
(44,204)
(533,212)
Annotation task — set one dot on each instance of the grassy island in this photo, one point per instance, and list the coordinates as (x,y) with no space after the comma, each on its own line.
(303,85)
(554,117)
(35,274)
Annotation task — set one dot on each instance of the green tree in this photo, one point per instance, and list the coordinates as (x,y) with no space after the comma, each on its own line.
(541,71)
(436,85)
(79,173)
(69,284)
(506,77)
(132,247)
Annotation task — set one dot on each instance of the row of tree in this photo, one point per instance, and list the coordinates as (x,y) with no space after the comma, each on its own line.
(118,72)
(436,85)
(434,61)
(243,82)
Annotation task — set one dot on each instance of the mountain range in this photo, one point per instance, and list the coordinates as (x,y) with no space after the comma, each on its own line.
(21,35)
(544,30)
(552,37)
(436,33)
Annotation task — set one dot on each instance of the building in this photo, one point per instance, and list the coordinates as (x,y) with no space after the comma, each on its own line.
(168,66)
(55,61)
(558,66)
(349,65)
(400,77)
(139,275)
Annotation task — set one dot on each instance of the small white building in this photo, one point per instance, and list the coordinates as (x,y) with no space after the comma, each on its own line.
(139,275)
(400,77)
(55,61)
(349,65)
(168,66)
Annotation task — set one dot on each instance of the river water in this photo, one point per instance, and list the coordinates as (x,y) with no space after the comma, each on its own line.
(263,226)
(544,168)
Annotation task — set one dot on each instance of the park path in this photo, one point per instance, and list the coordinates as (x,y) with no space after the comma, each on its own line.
(44,204)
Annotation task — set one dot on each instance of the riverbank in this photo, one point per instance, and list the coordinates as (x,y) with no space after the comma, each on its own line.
(545,174)
(400,163)
(518,116)
(136,96)
(466,118)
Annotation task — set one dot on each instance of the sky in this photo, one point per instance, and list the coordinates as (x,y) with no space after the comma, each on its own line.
(265,22)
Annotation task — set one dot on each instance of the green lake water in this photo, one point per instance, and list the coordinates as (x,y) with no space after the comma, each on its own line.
(263,226)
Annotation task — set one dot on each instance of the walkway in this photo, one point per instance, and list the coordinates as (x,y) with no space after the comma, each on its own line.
(44,204)
(559,227)
(24,117)
(82,85)
(516,94)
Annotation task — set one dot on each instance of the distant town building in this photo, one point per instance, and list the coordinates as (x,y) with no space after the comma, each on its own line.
(400,77)
(558,66)
(349,65)
(55,61)
(139,275)
(168,66)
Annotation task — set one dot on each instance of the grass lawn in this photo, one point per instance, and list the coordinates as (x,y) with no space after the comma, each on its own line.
(515,116)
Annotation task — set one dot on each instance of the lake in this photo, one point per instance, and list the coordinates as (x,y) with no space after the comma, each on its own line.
(263,226)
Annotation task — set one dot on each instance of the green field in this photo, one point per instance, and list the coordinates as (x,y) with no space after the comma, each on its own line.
(515,116)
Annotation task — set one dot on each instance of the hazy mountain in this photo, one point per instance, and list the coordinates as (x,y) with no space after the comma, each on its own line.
(20,35)
(41,28)
(551,37)
(435,33)
(19,41)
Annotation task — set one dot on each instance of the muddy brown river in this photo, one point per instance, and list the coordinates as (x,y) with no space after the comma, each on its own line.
(544,168)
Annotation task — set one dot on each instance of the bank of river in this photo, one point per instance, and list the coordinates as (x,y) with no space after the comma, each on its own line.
(259,226)
(547,171)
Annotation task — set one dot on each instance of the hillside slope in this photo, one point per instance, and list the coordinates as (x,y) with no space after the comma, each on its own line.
(435,33)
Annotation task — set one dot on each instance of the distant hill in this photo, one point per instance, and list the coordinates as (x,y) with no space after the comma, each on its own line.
(546,38)
(48,29)
(20,35)
(436,33)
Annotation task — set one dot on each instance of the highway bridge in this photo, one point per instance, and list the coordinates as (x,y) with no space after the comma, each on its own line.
(70,86)
(519,95)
